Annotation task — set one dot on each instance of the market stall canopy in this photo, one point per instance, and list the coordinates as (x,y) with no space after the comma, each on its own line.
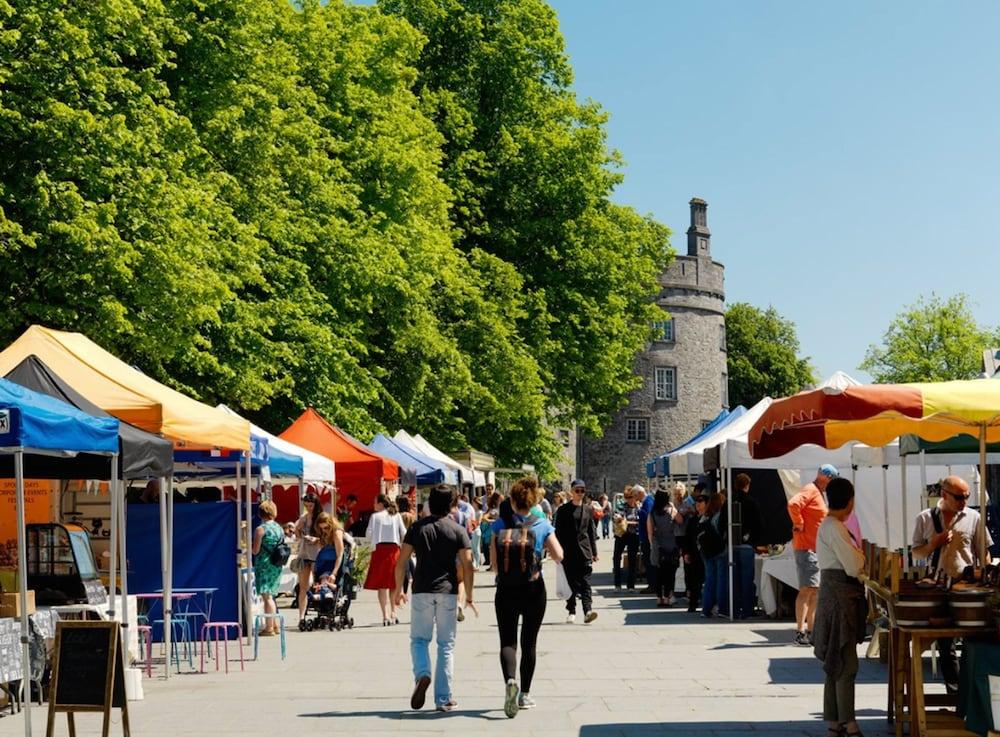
(360,471)
(125,392)
(877,414)
(428,471)
(417,443)
(37,423)
(143,454)
(314,466)
(662,466)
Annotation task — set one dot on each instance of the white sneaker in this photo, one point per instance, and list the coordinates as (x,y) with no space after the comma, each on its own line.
(570,618)
(510,705)
(525,702)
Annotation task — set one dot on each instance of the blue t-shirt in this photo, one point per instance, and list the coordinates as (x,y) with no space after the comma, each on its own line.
(541,527)
(644,511)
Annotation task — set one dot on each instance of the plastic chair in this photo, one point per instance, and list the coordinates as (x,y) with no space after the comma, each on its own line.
(220,629)
(181,633)
(261,619)
(146,636)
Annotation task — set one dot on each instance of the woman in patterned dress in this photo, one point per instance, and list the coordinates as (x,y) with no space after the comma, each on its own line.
(267,575)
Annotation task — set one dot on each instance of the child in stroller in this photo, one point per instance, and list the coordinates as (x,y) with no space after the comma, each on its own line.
(329,598)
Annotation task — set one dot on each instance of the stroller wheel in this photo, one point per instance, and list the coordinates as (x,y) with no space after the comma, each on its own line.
(333,626)
(350,623)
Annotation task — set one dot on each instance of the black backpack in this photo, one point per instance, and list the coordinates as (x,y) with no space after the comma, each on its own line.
(518,563)
(710,542)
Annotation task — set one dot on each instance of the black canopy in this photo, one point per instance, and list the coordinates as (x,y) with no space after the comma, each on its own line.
(142,454)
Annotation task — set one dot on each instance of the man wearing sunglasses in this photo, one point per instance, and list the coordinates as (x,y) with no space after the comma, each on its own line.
(949,535)
(577,533)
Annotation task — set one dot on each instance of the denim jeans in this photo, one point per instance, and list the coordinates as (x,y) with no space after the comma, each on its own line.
(744,594)
(426,610)
(716,585)
(605,526)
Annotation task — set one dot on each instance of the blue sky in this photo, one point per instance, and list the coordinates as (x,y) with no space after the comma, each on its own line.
(848,151)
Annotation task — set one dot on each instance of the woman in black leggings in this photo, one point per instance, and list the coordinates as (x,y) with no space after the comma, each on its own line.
(520,587)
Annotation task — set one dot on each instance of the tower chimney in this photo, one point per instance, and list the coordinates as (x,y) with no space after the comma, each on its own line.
(699,236)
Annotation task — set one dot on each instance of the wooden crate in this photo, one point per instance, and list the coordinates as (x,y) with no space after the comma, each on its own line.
(10,604)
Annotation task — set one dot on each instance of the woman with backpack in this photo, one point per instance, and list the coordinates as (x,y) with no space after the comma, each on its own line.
(266,570)
(516,555)
(712,545)
(665,554)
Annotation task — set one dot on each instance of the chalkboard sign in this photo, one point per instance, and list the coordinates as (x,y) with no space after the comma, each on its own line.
(88,671)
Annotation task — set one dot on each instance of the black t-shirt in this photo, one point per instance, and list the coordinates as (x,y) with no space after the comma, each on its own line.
(437,542)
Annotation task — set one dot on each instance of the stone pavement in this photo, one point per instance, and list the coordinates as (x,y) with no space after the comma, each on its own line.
(636,671)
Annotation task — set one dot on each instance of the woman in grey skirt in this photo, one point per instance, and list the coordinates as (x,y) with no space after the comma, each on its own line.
(841,610)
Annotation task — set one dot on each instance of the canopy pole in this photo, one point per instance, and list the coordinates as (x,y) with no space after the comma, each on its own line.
(113,561)
(169,585)
(982,494)
(22,585)
(241,553)
(302,493)
(885,504)
(123,564)
(248,532)
(729,536)
(906,555)
(164,576)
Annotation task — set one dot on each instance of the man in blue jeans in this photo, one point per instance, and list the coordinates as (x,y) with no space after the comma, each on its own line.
(746,537)
(438,541)
(645,505)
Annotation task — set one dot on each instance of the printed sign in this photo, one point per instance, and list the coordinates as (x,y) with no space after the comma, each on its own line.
(4,421)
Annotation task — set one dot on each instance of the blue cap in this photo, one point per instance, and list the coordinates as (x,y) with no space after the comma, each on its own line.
(578,482)
(829,471)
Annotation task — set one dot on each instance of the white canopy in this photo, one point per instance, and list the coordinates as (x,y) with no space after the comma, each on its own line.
(419,444)
(315,468)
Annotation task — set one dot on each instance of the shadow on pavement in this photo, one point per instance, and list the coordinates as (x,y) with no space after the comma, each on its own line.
(429,714)
(807,669)
(813,728)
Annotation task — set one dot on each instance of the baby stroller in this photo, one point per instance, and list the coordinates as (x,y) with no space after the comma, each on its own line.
(329,603)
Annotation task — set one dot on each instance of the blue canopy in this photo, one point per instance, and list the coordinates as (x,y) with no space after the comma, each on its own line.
(36,421)
(262,455)
(662,463)
(429,472)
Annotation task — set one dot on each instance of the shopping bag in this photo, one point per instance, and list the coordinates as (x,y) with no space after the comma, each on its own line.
(563,591)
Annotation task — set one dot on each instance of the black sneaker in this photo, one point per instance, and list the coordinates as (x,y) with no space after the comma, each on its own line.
(802,638)
(420,693)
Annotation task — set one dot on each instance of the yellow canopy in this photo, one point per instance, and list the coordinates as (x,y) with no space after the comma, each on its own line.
(127,393)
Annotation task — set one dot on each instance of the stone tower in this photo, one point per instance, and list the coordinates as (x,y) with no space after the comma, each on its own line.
(683,370)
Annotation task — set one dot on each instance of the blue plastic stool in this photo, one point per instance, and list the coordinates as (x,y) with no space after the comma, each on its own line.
(184,637)
(261,619)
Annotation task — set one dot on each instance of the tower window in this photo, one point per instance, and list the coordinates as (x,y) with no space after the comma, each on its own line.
(725,391)
(722,337)
(665,330)
(666,382)
(703,244)
(637,430)
(564,438)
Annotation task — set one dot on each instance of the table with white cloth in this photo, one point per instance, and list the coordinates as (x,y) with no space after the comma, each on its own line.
(770,572)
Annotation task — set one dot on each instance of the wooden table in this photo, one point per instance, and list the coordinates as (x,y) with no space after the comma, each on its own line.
(909,648)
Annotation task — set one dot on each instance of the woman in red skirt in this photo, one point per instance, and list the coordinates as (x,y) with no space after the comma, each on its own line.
(385,533)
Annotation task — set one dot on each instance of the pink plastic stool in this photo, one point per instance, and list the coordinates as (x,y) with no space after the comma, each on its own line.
(146,635)
(220,629)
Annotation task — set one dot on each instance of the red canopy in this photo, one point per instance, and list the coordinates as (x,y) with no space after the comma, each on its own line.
(359,470)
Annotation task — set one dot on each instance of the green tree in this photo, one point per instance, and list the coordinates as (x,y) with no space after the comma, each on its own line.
(934,339)
(532,177)
(762,355)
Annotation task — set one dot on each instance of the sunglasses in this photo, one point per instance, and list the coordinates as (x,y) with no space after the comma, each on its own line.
(960,497)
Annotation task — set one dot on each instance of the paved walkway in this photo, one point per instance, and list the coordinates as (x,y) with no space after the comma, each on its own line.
(636,671)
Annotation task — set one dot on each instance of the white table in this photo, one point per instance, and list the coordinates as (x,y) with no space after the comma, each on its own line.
(771,572)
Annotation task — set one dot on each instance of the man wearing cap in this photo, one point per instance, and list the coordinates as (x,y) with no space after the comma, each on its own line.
(807,510)
(577,533)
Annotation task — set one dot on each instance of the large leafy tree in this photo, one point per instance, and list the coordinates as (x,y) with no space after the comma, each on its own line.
(532,176)
(762,355)
(934,339)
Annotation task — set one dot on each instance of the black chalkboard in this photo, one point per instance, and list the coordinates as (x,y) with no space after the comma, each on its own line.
(86,678)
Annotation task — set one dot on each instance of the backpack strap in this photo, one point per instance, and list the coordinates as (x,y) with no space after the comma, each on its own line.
(505,541)
(939,528)
(524,550)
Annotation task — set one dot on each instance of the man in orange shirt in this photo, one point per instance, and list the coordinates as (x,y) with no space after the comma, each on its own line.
(807,510)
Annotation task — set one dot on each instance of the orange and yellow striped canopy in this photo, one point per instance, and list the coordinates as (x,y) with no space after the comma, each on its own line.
(877,414)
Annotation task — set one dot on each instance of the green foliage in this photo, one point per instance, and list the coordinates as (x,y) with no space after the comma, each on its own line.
(762,355)
(278,206)
(933,340)
(532,176)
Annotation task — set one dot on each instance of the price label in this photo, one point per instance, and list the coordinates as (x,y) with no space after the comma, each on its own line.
(4,421)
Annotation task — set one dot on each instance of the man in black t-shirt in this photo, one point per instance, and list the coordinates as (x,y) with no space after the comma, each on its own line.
(440,545)
(577,533)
